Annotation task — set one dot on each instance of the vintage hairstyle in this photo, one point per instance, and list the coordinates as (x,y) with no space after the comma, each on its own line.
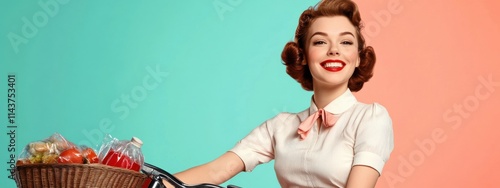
(293,54)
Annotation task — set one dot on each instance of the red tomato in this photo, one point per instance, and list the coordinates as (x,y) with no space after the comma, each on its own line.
(22,161)
(70,156)
(90,156)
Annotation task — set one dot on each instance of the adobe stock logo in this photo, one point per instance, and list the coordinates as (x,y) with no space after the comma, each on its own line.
(122,106)
(383,18)
(221,7)
(38,20)
(454,117)
(461,111)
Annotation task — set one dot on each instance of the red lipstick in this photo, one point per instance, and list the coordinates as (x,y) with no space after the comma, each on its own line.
(333,65)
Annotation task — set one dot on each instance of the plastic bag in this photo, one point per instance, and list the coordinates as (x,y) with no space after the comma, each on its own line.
(56,149)
(45,151)
(122,153)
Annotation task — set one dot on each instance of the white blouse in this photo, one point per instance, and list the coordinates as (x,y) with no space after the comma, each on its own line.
(362,135)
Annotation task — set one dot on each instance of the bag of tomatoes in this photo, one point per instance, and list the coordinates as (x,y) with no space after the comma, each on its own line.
(81,155)
(122,153)
(56,149)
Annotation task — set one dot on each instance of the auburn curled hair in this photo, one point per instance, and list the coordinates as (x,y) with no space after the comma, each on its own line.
(293,54)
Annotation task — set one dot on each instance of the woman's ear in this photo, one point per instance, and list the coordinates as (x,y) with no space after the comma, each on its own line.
(358,61)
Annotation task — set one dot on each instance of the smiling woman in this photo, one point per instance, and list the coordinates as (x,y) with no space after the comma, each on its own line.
(351,23)
(332,47)
(81,68)
(337,141)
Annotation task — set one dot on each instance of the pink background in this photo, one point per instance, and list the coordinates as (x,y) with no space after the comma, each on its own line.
(438,74)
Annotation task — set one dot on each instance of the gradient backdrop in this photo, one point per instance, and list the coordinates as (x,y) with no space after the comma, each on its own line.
(191,78)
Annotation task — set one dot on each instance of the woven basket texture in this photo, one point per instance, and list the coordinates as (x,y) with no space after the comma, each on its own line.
(76,175)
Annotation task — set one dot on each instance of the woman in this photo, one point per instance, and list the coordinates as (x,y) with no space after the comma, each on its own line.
(337,141)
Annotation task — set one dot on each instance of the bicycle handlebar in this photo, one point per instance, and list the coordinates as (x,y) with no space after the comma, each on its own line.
(158,175)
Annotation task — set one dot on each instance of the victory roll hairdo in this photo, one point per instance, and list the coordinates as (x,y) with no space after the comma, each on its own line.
(293,54)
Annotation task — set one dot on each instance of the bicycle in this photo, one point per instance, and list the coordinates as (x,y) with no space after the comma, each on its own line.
(157,175)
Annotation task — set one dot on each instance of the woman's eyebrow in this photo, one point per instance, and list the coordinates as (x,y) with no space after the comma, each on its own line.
(325,34)
(318,33)
(347,33)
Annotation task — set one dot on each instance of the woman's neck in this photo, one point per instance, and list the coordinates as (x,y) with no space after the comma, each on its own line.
(324,95)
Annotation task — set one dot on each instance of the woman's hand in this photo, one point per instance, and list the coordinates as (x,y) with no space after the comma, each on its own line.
(215,172)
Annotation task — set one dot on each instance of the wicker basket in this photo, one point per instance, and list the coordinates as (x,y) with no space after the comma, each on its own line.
(76,175)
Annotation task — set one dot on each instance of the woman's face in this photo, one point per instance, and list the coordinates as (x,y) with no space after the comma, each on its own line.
(332,51)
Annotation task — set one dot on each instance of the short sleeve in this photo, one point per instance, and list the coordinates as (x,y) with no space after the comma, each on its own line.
(257,147)
(374,138)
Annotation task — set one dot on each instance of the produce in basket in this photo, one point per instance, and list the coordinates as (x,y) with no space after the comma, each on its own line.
(56,149)
(122,153)
(57,163)
(89,155)
(45,151)
(70,156)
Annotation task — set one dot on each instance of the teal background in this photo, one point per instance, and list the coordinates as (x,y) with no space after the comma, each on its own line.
(221,75)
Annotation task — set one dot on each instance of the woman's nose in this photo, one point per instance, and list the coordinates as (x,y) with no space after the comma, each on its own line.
(333,51)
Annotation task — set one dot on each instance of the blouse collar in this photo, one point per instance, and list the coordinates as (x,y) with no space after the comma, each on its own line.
(338,105)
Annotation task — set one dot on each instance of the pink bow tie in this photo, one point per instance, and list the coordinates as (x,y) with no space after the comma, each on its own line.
(328,120)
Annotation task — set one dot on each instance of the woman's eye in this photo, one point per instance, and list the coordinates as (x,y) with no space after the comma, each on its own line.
(318,43)
(347,43)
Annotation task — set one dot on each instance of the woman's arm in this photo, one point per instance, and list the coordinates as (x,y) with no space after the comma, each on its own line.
(362,177)
(215,172)
(372,148)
